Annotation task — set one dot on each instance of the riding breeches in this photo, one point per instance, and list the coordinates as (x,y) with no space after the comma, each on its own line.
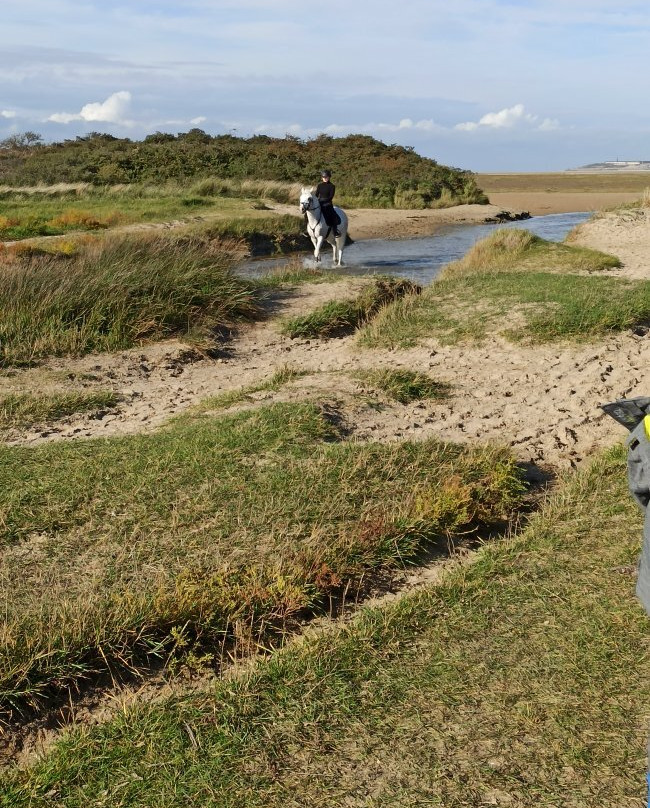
(329,214)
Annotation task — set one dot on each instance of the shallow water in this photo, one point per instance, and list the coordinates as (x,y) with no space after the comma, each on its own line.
(420,259)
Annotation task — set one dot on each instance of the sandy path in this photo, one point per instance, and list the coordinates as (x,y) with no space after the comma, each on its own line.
(393,223)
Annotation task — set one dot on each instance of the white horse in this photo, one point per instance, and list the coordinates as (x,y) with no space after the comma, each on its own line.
(318,229)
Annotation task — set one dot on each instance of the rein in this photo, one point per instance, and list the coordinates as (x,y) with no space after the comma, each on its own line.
(320,218)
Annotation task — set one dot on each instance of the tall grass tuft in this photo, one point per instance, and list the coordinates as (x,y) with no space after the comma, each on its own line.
(512,248)
(25,409)
(510,277)
(404,385)
(338,318)
(117,293)
(496,252)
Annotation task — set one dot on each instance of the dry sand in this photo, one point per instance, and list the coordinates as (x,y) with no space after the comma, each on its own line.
(540,203)
(542,401)
(624,233)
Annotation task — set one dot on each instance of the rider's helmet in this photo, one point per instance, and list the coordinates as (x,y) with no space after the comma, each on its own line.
(325,173)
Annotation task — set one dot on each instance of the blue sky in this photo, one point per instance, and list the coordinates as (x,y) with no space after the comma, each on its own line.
(481,84)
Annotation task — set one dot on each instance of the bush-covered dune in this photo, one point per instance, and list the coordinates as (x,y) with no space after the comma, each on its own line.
(367,172)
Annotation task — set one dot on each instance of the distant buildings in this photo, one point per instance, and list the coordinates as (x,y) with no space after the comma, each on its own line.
(615,165)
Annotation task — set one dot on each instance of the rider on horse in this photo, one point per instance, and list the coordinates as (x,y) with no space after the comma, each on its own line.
(325,193)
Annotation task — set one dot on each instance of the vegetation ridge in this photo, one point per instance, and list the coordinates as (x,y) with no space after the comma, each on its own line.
(368,173)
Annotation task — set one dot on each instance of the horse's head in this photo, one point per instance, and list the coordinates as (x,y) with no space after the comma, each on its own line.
(307,200)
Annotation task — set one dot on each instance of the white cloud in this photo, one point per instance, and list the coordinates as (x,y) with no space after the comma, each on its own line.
(375,128)
(504,119)
(549,125)
(113,110)
(198,120)
(7,113)
(507,119)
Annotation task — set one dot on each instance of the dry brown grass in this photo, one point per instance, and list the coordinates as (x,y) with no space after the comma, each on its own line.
(565,182)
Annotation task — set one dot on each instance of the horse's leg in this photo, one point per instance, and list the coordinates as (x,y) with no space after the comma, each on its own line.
(318,245)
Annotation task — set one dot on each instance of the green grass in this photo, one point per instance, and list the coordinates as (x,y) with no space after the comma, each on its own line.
(404,385)
(554,307)
(118,293)
(36,215)
(55,210)
(518,285)
(519,680)
(340,317)
(211,528)
(27,409)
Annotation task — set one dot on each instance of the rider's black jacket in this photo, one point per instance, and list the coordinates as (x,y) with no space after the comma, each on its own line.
(325,193)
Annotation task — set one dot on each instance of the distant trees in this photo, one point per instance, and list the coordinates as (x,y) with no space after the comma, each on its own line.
(24,140)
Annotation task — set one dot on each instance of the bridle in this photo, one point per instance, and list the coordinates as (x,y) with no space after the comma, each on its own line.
(305,206)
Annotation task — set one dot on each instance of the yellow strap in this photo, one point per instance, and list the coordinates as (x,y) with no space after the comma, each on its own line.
(646,426)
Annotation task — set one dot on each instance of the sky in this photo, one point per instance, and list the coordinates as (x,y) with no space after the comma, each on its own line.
(485,85)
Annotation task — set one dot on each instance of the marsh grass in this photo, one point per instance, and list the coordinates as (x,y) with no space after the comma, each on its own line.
(338,318)
(520,679)
(27,409)
(404,385)
(59,209)
(211,528)
(117,293)
(513,276)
